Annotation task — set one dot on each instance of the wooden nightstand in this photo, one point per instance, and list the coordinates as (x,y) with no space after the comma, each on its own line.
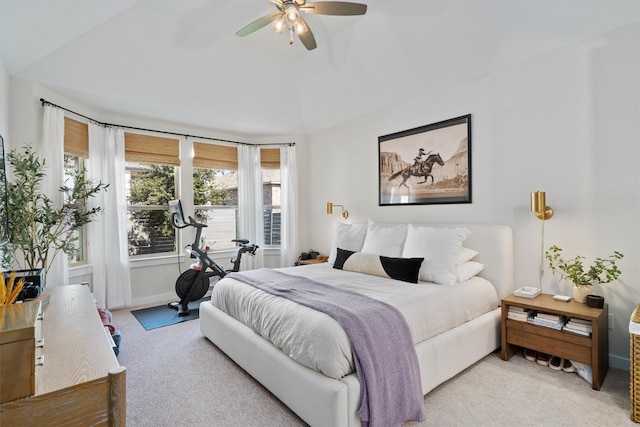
(593,350)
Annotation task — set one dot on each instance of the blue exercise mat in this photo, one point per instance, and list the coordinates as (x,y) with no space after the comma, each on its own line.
(163,315)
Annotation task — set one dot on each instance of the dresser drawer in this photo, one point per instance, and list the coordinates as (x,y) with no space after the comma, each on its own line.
(19,331)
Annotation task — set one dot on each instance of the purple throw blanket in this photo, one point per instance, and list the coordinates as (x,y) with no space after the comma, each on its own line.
(383,351)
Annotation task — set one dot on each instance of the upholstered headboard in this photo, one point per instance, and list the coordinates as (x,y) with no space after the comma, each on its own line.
(494,244)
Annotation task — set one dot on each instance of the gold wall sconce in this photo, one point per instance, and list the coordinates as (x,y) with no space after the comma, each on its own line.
(539,205)
(330,207)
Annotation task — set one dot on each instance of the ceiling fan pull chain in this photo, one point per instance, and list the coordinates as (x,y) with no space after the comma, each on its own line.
(290,35)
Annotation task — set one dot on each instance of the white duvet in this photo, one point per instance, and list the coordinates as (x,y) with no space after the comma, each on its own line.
(317,341)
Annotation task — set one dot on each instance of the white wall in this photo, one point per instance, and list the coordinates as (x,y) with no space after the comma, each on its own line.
(565,122)
(4,100)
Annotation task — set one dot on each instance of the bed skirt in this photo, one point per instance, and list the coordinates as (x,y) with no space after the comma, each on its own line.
(322,401)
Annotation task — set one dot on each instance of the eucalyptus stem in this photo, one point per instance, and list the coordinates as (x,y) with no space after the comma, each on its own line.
(602,270)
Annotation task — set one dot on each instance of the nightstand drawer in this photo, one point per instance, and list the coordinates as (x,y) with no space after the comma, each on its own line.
(550,345)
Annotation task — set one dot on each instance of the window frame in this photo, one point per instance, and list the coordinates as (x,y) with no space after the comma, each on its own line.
(151,208)
(83,247)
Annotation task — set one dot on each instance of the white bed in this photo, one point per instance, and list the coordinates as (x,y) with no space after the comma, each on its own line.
(321,400)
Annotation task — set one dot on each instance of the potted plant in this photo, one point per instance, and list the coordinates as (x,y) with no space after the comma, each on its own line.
(38,231)
(602,270)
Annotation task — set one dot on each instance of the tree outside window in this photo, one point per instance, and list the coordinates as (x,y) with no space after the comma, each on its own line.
(72,166)
(149,189)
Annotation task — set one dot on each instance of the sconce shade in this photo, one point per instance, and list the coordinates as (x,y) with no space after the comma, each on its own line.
(539,205)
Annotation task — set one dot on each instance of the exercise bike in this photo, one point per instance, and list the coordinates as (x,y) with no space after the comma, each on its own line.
(193,283)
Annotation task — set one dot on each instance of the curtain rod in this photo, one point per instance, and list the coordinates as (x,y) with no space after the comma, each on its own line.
(45,102)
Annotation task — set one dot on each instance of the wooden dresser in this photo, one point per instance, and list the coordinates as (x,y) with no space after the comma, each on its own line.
(80,382)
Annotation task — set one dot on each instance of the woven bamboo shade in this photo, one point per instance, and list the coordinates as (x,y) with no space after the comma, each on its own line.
(151,149)
(76,138)
(270,158)
(213,156)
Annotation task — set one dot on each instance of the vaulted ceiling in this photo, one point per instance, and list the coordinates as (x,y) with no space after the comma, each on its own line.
(181,61)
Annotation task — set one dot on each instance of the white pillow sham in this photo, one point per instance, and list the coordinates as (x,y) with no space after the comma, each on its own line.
(385,240)
(347,236)
(467,254)
(440,248)
(468,270)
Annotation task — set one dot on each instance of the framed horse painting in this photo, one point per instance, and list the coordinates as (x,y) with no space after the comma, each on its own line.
(427,165)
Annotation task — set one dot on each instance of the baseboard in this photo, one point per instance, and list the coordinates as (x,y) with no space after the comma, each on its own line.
(619,363)
(159,299)
(154,299)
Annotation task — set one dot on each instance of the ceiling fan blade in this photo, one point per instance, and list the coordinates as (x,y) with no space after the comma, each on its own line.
(306,37)
(257,24)
(279,4)
(335,8)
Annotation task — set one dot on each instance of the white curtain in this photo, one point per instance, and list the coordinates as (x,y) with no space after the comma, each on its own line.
(53,152)
(250,202)
(288,206)
(108,248)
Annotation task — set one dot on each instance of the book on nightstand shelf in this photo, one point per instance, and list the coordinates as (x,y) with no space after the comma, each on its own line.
(553,321)
(578,326)
(520,314)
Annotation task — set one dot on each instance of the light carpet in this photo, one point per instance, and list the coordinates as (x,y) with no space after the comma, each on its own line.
(175,376)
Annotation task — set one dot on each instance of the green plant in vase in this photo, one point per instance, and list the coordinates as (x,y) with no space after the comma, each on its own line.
(38,231)
(601,271)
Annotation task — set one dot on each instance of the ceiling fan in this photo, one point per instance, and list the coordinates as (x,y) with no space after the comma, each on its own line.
(288,17)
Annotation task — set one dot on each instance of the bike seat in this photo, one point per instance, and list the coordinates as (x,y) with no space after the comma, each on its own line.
(241,241)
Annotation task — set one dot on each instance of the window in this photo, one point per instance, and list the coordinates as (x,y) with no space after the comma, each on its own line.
(76,149)
(150,181)
(72,165)
(271,214)
(215,193)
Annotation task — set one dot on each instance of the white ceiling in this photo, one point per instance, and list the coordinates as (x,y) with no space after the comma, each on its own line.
(181,61)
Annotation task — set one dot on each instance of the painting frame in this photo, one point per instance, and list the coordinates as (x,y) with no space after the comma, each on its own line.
(438,152)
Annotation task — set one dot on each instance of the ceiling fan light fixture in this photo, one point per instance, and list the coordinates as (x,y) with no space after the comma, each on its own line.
(279,24)
(291,13)
(299,28)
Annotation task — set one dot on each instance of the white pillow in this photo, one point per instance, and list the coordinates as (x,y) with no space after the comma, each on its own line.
(347,236)
(467,254)
(468,270)
(385,240)
(440,248)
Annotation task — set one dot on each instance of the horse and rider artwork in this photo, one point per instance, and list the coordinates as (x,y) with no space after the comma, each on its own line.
(426,165)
